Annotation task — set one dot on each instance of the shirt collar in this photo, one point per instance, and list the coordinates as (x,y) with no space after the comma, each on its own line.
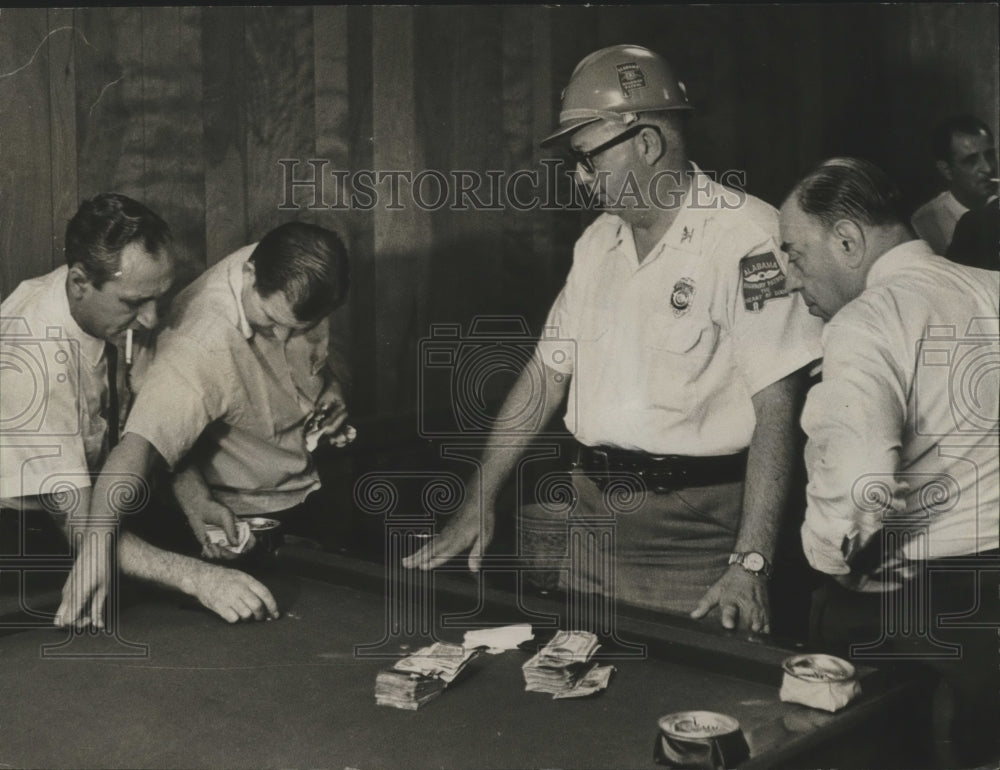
(952,204)
(685,232)
(898,257)
(91,347)
(236,285)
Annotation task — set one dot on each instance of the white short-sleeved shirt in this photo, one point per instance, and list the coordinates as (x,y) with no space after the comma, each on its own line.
(53,392)
(237,398)
(935,221)
(907,412)
(665,355)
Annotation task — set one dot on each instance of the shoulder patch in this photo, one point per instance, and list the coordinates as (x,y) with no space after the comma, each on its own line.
(763,279)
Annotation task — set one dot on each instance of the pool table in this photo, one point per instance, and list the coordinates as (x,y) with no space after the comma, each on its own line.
(178,687)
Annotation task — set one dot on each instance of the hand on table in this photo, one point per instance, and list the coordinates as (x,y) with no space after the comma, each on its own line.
(742,600)
(86,589)
(472,528)
(220,516)
(231,594)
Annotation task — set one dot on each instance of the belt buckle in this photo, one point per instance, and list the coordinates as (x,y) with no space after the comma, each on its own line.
(663,475)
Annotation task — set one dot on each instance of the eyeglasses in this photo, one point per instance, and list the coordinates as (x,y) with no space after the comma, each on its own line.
(585,159)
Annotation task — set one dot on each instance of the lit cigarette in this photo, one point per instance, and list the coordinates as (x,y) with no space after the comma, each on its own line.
(995,180)
(128,347)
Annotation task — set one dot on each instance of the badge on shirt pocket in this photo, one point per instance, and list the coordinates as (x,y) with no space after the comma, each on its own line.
(682,296)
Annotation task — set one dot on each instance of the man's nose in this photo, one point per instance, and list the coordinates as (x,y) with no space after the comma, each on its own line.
(148,315)
(793,281)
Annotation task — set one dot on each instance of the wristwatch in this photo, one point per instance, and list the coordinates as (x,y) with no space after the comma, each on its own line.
(752,561)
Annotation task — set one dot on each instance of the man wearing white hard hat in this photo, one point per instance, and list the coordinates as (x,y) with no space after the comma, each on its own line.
(683,367)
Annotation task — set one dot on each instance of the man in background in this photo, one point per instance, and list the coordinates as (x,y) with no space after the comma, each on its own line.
(966,157)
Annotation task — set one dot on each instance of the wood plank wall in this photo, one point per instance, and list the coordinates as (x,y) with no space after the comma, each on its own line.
(191,110)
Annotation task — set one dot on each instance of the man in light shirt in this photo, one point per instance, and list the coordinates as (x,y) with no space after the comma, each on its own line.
(902,452)
(240,369)
(679,351)
(966,158)
(63,393)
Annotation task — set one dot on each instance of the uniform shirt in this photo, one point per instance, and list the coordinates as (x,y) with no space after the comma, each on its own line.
(665,355)
(907,411)
(935,221)
(53,393)
(238,398)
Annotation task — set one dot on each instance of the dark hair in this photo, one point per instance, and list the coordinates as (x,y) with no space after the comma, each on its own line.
(105,225)
(307,263)
(849,188)
(945,130)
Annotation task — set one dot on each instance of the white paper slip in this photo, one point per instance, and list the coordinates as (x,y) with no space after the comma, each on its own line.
(498,640)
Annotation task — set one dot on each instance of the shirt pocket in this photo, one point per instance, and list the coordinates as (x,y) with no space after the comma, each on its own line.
(676,354)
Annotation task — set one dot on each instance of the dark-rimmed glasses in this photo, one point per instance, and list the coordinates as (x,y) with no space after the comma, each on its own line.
(585,159)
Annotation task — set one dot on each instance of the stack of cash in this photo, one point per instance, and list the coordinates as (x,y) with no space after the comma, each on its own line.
(422,676)
(405,691)
(563,667)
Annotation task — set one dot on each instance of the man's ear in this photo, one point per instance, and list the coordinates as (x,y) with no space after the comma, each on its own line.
(652,145)
(850,242)
(944,168)
(249,271)
(79,282)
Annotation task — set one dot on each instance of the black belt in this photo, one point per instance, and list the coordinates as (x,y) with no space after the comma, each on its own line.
(660,473)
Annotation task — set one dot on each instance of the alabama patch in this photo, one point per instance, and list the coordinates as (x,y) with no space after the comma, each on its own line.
(630,77)
(763,279)
(680,297)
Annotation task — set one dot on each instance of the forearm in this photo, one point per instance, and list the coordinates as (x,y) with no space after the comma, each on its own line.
(123,482)
(771,460)
(191,490)
(504,448)
(138,559)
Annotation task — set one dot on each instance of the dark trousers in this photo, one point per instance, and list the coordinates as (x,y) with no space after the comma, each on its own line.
(961,607)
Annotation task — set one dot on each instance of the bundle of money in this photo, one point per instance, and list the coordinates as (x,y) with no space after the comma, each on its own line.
(422,676)
(403,690)
(563,667)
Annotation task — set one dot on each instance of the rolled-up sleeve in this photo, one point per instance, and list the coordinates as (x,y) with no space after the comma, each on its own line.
(854,421)
(182,394)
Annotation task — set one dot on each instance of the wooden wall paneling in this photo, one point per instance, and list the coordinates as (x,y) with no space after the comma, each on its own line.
(360,146)
(478,144)
(174,179)
(542,115)
(280,106)
(331,68)
(435,113)
(25,185)
(109,105)
(224,119)
(527,287)
(62,124)
(402,237)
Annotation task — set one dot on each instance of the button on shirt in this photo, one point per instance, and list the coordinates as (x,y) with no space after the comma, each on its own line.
(906,413)
(935,221)
(53,393)
(238,398)
(666,354)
